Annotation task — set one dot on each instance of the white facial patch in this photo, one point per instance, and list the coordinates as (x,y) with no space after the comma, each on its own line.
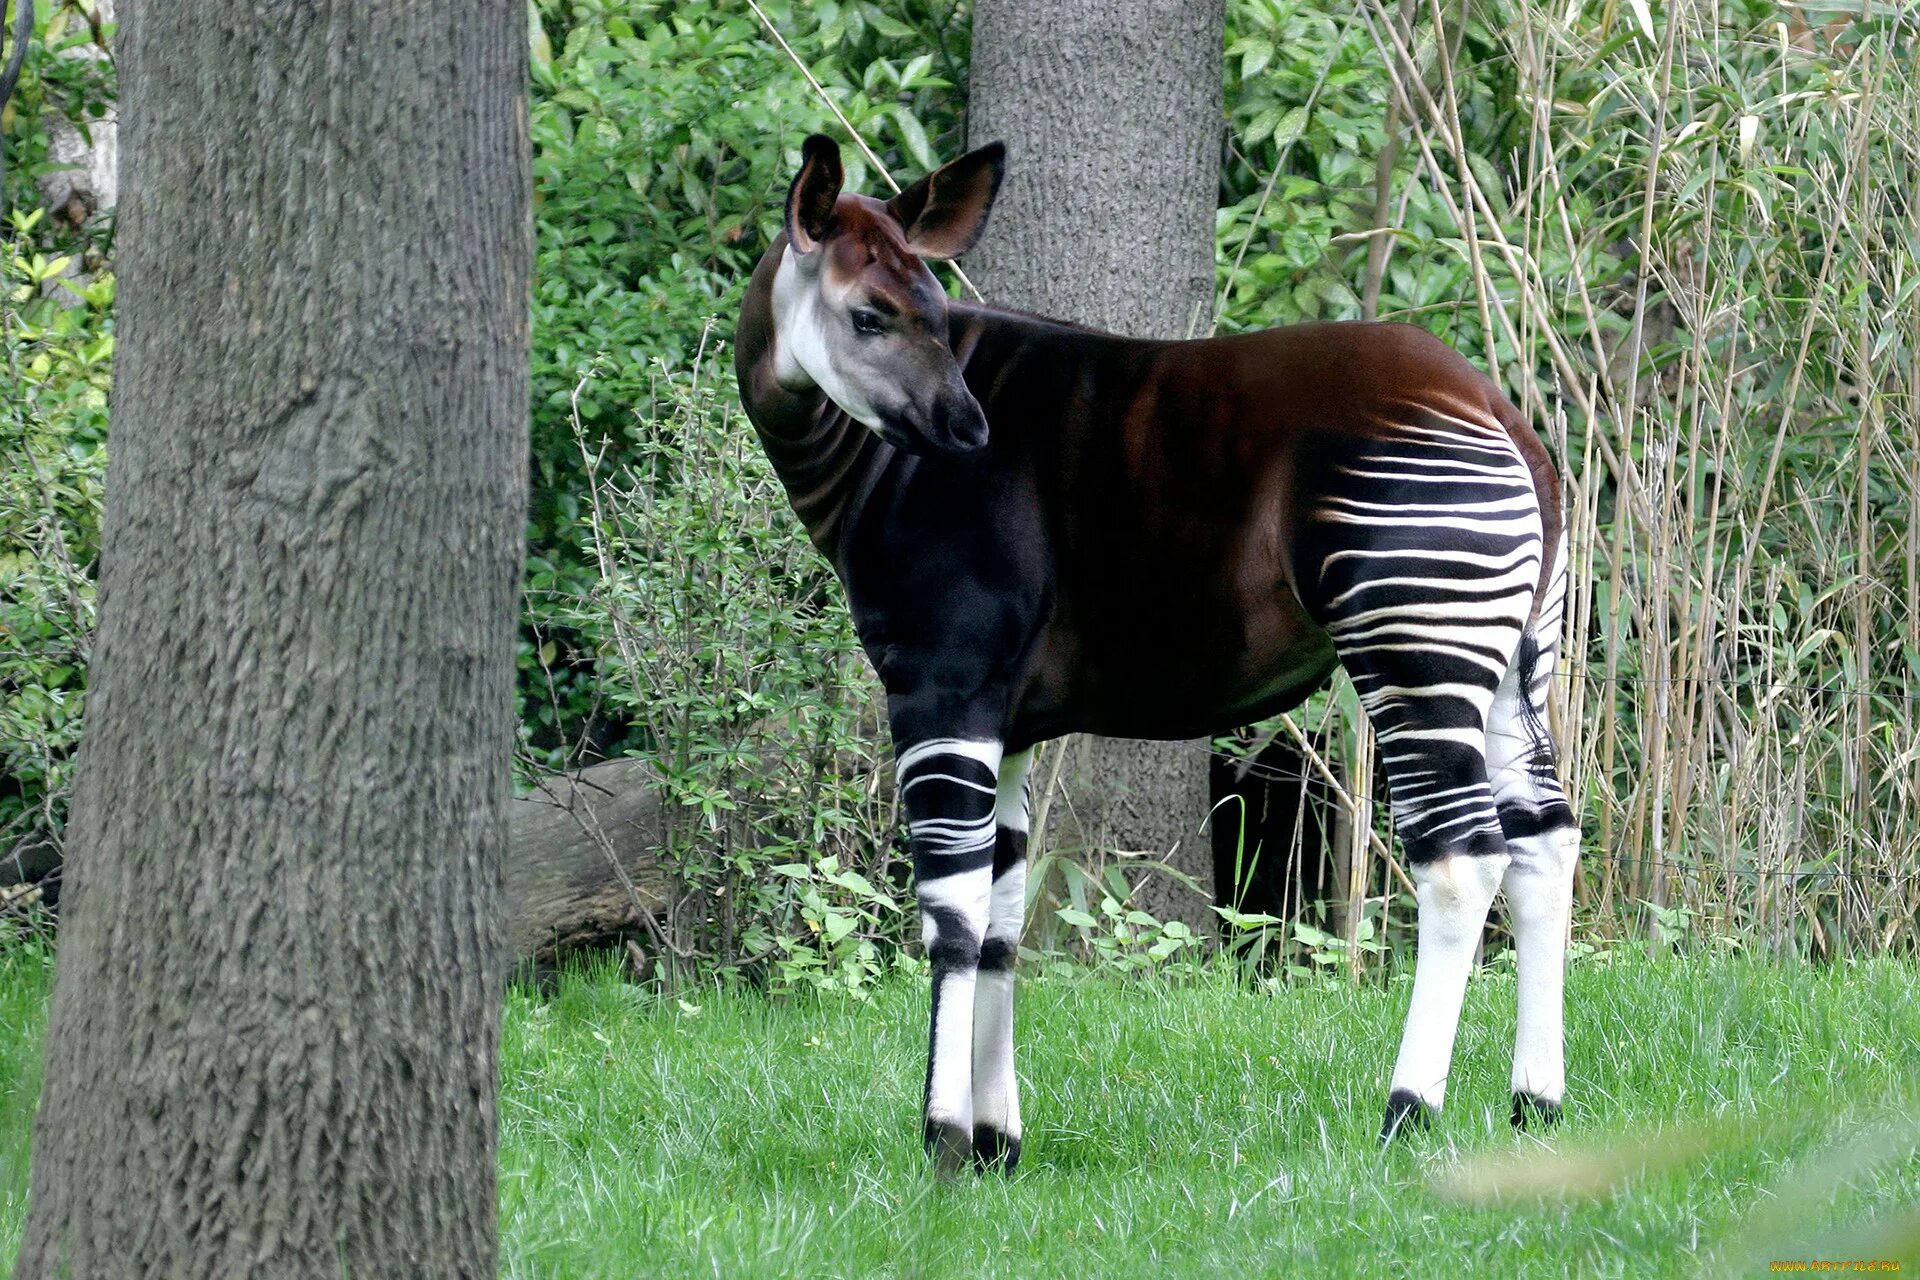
(804,337)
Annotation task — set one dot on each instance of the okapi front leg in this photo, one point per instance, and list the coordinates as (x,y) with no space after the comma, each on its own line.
(996,1093)
(948,787)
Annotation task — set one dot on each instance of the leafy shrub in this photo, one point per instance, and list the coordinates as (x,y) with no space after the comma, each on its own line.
(664,135)
(56,349)
(52,439)
(722,635)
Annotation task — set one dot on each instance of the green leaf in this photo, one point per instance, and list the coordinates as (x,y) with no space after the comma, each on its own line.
(1259,52)
(915,138)
(540,49)
(853,880)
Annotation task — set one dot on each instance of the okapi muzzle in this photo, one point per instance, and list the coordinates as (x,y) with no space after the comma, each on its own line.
(857,312)
(1043,529)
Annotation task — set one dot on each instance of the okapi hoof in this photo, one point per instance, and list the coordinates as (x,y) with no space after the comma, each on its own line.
(995,1149)
(1405,1111)
(1531,1111)
(950,1146)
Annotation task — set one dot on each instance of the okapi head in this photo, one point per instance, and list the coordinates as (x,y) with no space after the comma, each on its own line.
(858,313)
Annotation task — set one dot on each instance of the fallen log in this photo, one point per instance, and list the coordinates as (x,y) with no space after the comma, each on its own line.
(29,861)
(582,865)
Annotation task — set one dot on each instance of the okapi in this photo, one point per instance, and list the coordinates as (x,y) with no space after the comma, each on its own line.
(1043,529)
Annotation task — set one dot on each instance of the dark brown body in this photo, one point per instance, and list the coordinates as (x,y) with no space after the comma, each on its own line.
(1114,467)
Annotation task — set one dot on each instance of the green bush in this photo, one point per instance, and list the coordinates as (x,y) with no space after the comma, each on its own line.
(723,636)
(664,135)
(56,351)
(53,431)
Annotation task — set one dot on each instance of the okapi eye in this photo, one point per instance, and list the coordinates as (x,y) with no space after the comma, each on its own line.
(865,321)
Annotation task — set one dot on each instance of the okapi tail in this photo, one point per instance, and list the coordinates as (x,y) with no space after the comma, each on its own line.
(1541,634)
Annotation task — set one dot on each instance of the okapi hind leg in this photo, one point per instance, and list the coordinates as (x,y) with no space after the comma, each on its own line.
(1428,689)
(1432,749)
(948,787)
(1454,894)
(996,1092)
(1427,545)
(1544,841)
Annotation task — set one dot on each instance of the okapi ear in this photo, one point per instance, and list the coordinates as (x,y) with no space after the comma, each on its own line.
(815,188)
(945,212)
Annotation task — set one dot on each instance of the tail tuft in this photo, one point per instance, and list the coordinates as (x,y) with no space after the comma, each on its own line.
(1524,663)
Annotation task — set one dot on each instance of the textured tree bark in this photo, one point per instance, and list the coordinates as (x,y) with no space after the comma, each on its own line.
(88,182)
(1111,112)
(274,1036)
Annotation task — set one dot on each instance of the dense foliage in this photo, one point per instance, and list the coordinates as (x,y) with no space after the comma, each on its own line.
(664,135)
(56,352)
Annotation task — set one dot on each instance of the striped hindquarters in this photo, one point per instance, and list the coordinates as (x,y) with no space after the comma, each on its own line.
(1425,547)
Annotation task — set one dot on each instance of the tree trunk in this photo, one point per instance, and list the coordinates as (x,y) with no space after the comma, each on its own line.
(1111,113)
(274,1035)
(87,183)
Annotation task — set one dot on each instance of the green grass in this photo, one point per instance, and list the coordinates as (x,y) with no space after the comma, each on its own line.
(26,979)
(1197,1128)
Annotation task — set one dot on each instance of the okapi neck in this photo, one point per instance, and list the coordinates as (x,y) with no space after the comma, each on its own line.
(820,454)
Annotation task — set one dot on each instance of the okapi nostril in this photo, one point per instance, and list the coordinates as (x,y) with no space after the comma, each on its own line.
(967,431)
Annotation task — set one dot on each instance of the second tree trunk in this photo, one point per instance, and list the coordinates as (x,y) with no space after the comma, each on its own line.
(1111,113)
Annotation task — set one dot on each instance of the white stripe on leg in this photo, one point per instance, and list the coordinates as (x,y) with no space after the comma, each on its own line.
(996,1091)
(986,751)
(1539,893)
(1454,895)
(1011,799)
(953,902)
(996,1096)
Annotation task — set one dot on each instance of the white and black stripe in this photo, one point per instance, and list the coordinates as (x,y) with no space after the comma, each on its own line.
(1431,544)
(1543,842)
(1431,564)
(949,787)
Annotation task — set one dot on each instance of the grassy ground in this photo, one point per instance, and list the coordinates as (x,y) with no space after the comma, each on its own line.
(1187,1129)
